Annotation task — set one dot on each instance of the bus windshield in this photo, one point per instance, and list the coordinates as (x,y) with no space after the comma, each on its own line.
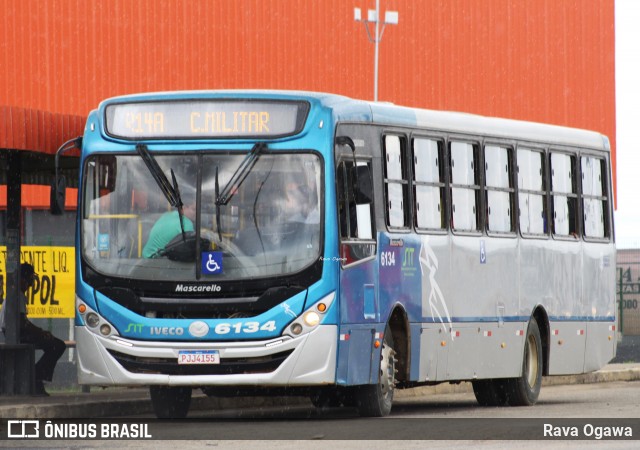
(269,227)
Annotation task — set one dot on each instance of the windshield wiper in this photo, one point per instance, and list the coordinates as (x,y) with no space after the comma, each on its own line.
(218,207)
(240,174)
(170,191)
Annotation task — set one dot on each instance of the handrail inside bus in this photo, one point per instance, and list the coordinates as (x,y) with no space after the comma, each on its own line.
(123,216)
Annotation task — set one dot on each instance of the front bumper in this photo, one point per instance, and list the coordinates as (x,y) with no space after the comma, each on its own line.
(308,360)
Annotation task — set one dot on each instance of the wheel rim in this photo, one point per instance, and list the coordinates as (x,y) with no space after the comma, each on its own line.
(532,361)
(387,370)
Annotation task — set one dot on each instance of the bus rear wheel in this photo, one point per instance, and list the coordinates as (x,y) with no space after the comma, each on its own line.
(524,390)
(490,392)
(375,400)
(170,402)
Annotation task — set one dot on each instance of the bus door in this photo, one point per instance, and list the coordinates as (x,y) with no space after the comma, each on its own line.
(359,303)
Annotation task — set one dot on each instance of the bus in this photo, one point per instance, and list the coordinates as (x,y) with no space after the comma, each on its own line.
(300,243)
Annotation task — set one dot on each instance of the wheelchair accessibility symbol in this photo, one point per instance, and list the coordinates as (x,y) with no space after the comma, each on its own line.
(211,263)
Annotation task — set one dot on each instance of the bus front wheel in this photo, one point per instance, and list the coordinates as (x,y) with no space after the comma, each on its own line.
(326,399)
(170,402)
(375,400)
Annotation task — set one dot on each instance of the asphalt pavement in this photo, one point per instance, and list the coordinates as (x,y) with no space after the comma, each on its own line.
(117,402)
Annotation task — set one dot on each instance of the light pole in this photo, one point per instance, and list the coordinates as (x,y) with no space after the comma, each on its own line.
(390,18)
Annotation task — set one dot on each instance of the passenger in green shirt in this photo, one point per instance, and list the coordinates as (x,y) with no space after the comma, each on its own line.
(167,227)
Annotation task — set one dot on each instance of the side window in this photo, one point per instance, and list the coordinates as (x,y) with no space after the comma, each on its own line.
(465,186)
(564,198)
(429,184)
(395,182)
(500,193)
(356,220)
(532,206)
(594,199)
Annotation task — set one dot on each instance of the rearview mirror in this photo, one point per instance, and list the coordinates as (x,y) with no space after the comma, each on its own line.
(58,195)
(59,183)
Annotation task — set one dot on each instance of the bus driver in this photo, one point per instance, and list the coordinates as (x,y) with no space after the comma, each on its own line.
(168,227)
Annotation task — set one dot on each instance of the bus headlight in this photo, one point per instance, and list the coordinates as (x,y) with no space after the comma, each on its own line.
(94,322)
(92,319)
(311,318)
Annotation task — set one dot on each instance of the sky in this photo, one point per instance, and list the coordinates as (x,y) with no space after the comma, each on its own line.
(627,216)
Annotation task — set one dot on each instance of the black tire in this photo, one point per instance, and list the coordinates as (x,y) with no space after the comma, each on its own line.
(325,399)
(490,392)
(375,400)
(170,402)
(524,390)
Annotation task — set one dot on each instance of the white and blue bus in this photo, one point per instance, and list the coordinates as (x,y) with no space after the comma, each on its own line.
(337,248)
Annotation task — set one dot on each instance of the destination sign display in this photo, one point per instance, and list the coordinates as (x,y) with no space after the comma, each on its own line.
(205,119)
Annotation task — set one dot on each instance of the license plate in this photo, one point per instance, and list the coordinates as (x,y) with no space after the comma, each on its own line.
(198,357)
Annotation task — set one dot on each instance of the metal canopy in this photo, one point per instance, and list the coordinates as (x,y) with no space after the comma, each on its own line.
(38,168)
(28,143)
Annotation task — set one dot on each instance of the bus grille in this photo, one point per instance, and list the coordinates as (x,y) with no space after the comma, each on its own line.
(227,366)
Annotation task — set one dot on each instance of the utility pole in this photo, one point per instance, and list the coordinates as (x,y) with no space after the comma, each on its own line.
(390,18)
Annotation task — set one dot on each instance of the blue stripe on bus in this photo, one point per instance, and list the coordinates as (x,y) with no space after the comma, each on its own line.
(520,319)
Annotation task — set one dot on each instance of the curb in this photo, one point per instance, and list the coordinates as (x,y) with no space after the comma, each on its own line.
(73,408)
(136,401)
(600,376)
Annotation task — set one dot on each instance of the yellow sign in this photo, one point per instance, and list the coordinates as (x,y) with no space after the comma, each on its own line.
(53,293)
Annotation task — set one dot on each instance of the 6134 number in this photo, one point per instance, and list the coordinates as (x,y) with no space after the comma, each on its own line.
(245,327)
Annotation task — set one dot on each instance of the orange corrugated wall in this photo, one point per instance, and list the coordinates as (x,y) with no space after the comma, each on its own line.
(37,130)
(543,60)
(37,197)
